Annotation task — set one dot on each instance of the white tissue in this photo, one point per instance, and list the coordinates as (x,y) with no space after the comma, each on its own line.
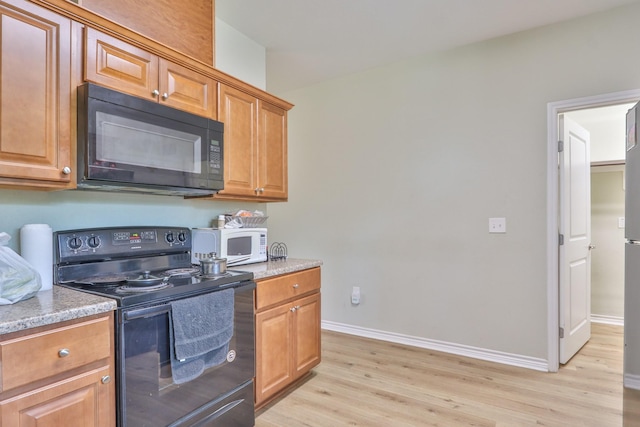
(36,247)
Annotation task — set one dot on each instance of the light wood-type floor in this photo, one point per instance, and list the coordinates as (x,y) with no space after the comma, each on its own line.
(363,382)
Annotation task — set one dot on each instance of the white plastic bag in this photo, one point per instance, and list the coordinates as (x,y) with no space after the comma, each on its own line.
(18,280)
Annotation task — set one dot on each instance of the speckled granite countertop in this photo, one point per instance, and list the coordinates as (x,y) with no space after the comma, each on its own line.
(60,304)
(264,270)
(51,306)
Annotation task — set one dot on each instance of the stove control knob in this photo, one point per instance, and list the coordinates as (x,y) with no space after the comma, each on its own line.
(93,242)
(182,236)
(75,243)
(170,238)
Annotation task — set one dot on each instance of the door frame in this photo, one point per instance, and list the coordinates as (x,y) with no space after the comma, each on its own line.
(553,207)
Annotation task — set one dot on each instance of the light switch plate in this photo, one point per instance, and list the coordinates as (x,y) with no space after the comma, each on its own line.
(497,225)
(621,222)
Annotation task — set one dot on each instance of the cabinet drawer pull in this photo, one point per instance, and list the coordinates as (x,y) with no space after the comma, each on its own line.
(296,286)
(64,352)
(105,380)
(292,309)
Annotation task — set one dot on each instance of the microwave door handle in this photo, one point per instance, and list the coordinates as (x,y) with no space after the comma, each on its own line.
(238,259)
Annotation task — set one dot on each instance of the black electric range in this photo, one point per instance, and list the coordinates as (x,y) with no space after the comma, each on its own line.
(134,265)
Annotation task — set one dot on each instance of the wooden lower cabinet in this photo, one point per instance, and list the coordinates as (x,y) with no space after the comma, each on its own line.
(287,332)
(80,401)
(59,376)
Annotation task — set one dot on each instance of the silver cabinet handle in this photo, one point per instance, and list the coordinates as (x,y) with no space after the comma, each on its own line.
(292,309)
(165,95)
(66,170)
(592,247)
(63,352)
(296,286)
(155,92)
(105,380)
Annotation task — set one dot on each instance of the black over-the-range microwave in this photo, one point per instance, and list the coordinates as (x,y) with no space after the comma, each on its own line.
(131,144)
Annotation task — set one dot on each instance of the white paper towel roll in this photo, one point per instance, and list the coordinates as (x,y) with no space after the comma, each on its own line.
(36,247)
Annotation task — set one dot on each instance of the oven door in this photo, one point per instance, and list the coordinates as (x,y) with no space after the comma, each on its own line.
(147,396)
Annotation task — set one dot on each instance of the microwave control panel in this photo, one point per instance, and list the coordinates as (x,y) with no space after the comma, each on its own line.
(215,156)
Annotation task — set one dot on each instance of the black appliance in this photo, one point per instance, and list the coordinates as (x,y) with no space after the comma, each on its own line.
(131,144)
(146,270)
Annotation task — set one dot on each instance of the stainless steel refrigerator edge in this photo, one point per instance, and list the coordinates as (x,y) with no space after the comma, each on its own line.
(632,254)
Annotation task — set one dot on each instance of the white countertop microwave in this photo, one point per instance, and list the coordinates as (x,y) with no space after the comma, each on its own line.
(238,245)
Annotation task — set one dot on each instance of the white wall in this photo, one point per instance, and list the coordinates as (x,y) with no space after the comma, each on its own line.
(607,127)
(394,173)
(239,56)
(607,259)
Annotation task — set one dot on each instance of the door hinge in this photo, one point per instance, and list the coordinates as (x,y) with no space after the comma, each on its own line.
(560,239)
(560,146)
(561,332)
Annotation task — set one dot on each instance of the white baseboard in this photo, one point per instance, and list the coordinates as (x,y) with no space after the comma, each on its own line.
(609,320)
(631,381)
(446,347)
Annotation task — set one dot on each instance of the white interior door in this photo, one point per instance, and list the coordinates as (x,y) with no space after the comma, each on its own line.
(575,227)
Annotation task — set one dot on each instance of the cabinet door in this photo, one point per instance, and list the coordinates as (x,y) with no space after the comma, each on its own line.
(120,66)
(187,90)
(35,95)
(81,401)
(273,351)
(31,358)
(306,334)
(238,111)
(272,152)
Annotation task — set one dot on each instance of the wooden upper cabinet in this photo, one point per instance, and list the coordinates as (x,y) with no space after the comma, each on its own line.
(239,113)
(187,90)
(35,97)
(184,25)
(112,63)
(272,151)
(255,144)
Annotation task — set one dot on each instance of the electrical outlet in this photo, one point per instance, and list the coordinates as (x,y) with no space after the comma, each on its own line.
(355,295)
(497,225)
(621,222)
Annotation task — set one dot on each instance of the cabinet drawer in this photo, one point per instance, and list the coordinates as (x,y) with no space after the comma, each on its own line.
(42,355)
(281,288)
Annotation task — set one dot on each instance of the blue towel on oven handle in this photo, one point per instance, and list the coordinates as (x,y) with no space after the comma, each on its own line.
(201,329)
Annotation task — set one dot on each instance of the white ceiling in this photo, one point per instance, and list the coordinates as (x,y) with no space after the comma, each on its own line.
(309,41)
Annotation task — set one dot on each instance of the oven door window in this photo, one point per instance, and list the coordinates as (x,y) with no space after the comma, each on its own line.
(148,396)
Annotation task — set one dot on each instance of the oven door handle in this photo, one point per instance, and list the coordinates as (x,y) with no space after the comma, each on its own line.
(147,312)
